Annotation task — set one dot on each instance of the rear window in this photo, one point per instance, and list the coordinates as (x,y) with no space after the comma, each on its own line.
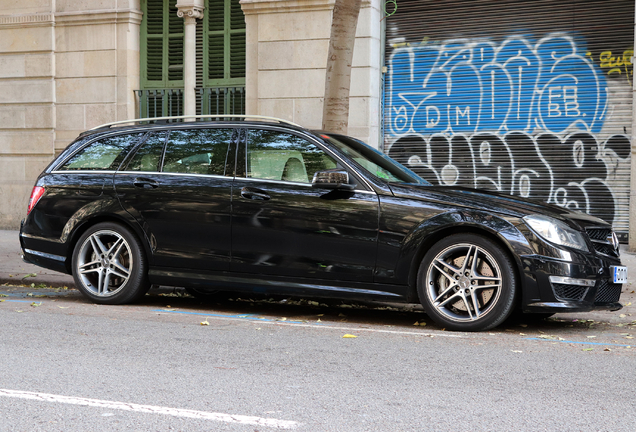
(102,155)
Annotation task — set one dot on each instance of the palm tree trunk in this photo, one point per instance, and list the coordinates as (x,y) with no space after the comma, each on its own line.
(335,114)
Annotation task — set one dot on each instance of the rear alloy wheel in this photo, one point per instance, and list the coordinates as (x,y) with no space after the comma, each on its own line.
(466,282)
(109,266)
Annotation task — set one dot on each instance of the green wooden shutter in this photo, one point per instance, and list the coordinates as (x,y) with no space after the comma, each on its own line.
(162,34)
(224,43)
(237,42)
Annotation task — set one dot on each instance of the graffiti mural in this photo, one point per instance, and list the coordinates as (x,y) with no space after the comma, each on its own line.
(520,117)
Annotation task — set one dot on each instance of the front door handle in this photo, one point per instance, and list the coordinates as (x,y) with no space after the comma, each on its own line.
(254,194)
(144,183)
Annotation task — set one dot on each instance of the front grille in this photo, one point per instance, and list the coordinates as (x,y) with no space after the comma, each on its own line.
(608,292)
(569,292)
(599,238)
(599,233)
(605,249)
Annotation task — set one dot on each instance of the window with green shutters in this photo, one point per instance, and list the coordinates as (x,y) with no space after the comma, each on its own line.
(223,43)
(161,45)
(223,37)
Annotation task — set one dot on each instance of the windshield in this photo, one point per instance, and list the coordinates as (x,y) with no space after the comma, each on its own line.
(374,162)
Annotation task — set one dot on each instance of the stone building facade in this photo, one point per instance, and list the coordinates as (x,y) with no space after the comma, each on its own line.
(537,104)
(68,65)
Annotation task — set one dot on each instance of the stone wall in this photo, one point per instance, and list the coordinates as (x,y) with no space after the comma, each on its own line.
(65,66)
(287,44)
(69,65)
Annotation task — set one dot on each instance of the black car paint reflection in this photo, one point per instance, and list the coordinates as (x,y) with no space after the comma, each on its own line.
(212,218)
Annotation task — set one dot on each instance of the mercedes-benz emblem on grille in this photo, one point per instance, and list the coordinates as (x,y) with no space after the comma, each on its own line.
(613,240)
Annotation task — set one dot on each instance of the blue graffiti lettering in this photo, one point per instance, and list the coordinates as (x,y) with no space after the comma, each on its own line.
(463,86)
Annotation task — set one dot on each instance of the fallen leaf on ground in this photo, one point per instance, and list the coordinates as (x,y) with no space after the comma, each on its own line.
(607,349)
(516,351)
(205,322)
(34,304)
(622,316)
(588,349)
(591,337)
(29,275)
(349,336)
(64,307)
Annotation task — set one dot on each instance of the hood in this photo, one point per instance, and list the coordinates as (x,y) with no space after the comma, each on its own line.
(492,202)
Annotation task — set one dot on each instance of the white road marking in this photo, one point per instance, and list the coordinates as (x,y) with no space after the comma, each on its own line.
(149,409)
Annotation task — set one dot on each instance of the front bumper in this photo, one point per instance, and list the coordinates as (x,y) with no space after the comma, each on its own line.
(543,295)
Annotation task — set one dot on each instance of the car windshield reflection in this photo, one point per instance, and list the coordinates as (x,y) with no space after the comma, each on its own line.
(374,162)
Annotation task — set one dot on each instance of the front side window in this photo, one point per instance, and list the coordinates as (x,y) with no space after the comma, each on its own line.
(273,155)
(372,161)
(103,154)
(198,151)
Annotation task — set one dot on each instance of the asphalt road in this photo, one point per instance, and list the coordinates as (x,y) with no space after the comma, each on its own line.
(175,363)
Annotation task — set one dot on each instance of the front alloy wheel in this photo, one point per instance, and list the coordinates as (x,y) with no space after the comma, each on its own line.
(466,282)
(108,265)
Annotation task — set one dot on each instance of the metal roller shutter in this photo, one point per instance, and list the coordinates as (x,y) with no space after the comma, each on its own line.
(530,98)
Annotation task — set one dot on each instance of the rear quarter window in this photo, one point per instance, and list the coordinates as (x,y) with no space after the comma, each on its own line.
(102,155)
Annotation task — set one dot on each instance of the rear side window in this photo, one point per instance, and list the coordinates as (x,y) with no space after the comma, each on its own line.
(198,151)
(148,156)
(103,154)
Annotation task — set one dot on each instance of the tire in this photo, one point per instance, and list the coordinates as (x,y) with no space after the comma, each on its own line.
(466,282)
(109,266)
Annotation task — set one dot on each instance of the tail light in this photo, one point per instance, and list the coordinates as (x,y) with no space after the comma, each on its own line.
(36,194)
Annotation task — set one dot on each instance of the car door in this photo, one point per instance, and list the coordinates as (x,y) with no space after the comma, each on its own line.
(178,187)
(283,226)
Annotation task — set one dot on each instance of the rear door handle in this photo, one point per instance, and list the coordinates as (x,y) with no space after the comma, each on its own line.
(144,183)
(254,194)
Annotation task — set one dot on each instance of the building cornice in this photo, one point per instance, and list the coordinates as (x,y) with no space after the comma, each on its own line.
(251,7)
(94,17)
(22,21)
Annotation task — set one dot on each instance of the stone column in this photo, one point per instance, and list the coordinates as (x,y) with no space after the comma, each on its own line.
(190,10)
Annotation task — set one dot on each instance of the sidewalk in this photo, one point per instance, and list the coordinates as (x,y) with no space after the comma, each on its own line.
(13,271)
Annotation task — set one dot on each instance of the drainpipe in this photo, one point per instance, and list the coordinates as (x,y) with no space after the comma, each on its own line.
(190,10)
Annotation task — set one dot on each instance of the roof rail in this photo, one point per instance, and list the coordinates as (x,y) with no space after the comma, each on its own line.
(208,116)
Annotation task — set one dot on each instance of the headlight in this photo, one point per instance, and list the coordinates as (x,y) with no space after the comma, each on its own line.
(556,231)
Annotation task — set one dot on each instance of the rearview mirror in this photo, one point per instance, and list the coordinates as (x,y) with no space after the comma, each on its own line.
(332,179)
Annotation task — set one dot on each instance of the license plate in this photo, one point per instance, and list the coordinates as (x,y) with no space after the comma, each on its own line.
(619,274)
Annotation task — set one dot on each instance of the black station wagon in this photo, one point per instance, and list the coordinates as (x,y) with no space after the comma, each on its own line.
(260,205)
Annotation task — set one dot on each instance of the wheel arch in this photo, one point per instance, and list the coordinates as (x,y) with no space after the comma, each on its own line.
(509,239)
(85,225)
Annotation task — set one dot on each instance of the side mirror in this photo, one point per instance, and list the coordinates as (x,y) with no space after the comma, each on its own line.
(332,179)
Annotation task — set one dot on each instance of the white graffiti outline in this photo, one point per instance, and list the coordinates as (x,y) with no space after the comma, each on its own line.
(557,195)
